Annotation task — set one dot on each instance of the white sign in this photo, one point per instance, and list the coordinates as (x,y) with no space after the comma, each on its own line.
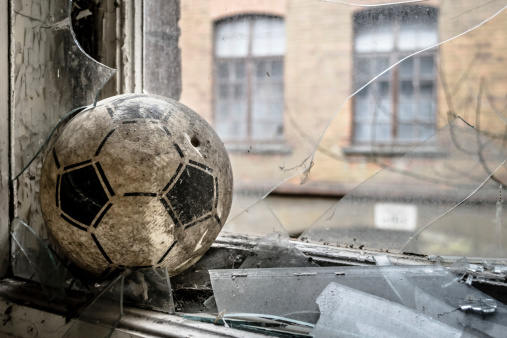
(395,216)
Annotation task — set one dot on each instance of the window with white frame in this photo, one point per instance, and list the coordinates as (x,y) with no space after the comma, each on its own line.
(400,106)
(248,78)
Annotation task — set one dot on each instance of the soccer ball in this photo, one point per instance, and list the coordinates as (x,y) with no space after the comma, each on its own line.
(137,181)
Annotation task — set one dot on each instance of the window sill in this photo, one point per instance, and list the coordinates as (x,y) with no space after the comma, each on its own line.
(392,150)
(259,148)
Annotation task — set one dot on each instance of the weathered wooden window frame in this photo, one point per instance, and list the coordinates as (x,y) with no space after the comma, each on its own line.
(5,196)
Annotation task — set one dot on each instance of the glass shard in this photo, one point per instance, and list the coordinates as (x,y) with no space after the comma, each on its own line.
(485,305)
(52,77)
(351,313)
(102,315)
(500,269)
(34,260)
(427,290)
(149,288)
(57,77)
(391,209)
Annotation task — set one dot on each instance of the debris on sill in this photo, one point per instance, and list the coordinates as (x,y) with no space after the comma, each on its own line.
(485,305)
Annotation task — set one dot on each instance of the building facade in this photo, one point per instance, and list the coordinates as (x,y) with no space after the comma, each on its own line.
(282,80)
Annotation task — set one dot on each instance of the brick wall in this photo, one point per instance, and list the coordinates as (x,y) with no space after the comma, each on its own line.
(318,78)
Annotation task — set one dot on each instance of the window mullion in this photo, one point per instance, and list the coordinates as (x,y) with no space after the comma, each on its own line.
(249,64)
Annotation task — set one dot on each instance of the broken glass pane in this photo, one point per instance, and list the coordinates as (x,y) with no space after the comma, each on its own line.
(476,228)
(401,108)
(348,312)
(288,292)
(102,315)
(428,290)
(414,192)
(149,288)
(34,260)
(52,76)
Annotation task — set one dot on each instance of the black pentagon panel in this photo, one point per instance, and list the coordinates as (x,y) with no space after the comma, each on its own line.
(192,195)
(81,194)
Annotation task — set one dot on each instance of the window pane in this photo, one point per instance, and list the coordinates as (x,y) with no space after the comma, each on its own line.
(232,38)
(267,111)
(427,36)
(383,111)
(223,70)
(426,66)
(363,93)
(239,70)
(381,64)
(414,36)
(375,39)
(362,69)
(425,131)
(407,88)
(384,38)
(239,91)
(426,113)
(382,133)
(406,111)
(277,69)
(364,40)
(426,88)
(407,68)
(405,132)
(260,110)
(268,37)
(231,120)
(363,110)
(260,69)
(407,38)
(222,110)
(362,133)
(262,130)
(383,88)
(276,90)
(223,91)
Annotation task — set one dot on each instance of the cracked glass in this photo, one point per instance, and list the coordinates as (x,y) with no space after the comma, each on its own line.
(422,195)
(311,98)
(394,85)
(102,314)
(424,297)
(53,78)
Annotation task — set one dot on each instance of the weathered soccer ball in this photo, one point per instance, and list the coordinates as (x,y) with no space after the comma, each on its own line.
(137,181)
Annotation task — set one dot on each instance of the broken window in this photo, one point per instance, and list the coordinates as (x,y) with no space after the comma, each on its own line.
(442,200)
